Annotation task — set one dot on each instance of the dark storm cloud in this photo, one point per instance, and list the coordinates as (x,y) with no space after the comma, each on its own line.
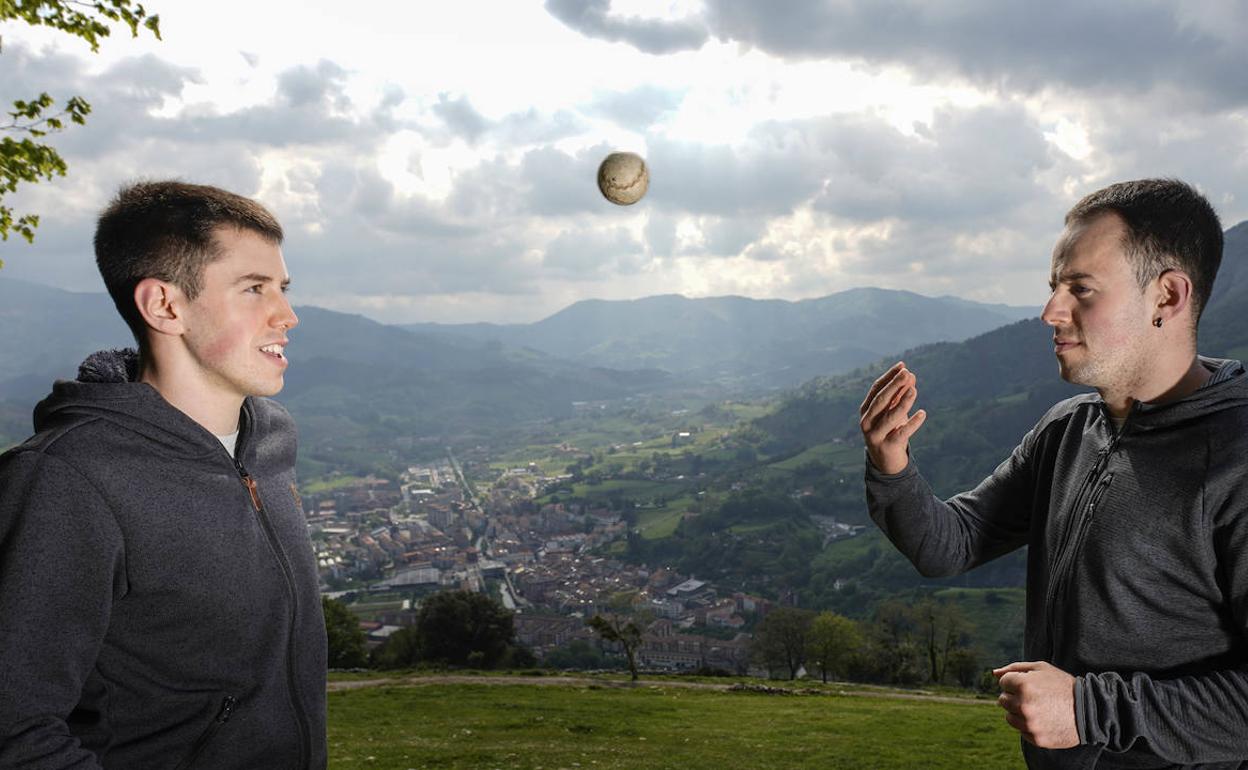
(593,18)
(1024,46)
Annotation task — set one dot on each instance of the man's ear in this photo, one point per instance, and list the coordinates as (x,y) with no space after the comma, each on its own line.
(161,304)
(1174,294)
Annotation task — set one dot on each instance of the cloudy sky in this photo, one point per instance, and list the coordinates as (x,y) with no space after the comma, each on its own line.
(436,161)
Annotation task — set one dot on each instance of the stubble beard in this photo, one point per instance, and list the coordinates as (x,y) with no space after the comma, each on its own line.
(1111,374)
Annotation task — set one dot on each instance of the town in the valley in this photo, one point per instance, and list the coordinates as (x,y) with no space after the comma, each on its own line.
(382,545)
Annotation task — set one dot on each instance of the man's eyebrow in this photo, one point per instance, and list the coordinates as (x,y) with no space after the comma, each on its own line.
(259,278)
(1069,278)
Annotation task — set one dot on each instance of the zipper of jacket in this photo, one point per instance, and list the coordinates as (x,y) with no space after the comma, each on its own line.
(1063,572)
(223,715)
(1076,528)
(275,546)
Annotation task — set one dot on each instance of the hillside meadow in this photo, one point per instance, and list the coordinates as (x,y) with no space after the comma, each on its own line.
(520,723)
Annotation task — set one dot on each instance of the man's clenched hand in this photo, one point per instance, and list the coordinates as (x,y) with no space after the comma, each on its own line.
(1039,702)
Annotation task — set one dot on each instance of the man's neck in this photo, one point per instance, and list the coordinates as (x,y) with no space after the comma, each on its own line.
(215,412)
(1159,389)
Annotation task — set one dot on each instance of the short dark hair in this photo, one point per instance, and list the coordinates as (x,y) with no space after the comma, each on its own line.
(167,230)
(1170,226)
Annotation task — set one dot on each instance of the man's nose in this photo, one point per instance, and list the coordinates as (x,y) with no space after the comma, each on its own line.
(1055,312)
(286,317)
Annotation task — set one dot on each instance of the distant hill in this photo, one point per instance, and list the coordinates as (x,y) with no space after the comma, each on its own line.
(363,392)
(745,342)
(1223,330)
(361,389)
(47,332)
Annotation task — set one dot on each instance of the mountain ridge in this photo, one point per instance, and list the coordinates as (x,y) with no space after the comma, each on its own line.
(740,341)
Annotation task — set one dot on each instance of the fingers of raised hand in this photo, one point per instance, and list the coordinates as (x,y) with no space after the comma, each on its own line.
(879,384)
(912,425)
(883,413)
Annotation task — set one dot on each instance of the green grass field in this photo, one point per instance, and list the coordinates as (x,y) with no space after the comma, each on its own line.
(330,484)
(661,522)
(834,455)
(517,726)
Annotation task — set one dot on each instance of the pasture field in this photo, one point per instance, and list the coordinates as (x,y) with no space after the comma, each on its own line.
(547,724)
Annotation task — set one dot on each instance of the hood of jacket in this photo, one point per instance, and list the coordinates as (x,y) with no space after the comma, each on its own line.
(107,389)
(1229,390)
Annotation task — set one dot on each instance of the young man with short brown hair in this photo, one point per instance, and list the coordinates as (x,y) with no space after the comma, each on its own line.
(158,590)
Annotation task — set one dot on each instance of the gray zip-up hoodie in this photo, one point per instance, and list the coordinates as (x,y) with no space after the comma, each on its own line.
(158,600)
(1137,567)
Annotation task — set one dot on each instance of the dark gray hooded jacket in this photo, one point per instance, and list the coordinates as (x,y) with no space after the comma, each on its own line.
(158,600)
(1137,567)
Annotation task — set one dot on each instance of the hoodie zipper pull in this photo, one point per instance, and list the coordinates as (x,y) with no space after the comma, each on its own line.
(248,482)
(227,709)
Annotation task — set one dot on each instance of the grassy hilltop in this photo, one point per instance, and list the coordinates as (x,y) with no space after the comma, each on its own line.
(538,724)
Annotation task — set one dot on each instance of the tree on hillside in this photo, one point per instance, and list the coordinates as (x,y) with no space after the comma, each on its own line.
(780,640)
(963,667)
(24,159)
(462,628)
(401,650)
(621,626)
(942,628)
(893,654)
(346,638)
(830,642)
(624,631)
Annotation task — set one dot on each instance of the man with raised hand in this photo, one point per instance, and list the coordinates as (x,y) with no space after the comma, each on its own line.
(158,590)
(1133,501)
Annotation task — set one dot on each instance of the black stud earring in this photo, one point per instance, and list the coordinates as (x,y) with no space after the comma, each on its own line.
(1157,322)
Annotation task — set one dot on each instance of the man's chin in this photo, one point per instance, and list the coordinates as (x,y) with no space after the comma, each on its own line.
(268,390)
(1075,375)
